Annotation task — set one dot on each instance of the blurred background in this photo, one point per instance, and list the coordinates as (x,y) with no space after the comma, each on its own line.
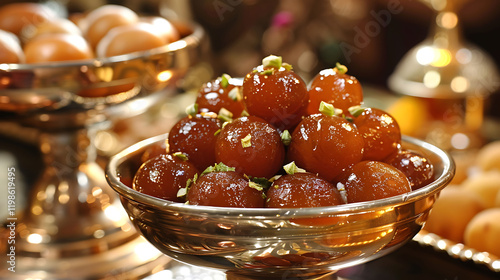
(371,37)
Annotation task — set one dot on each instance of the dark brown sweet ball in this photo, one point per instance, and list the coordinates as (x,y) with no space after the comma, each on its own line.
(221,93)
(154,150)
(336,87)
(301,190)
(252,146)
(273,92)
(195,137)
(163,176)
(325,145)
(380,131)
(224,189)
(371,180)
(416,167)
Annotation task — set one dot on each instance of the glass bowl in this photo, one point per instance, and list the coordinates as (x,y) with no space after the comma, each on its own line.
(266,242)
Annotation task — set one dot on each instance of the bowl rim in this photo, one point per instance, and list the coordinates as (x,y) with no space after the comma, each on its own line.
(193,38)
(434,187)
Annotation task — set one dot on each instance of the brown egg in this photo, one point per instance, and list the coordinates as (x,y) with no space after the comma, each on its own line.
(165,27)
(79,20)
(56,25)
(57,47)
(101,20)
(127,39)
(17,16)
(10,48)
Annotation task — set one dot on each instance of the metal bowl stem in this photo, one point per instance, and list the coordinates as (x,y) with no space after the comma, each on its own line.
(74,226)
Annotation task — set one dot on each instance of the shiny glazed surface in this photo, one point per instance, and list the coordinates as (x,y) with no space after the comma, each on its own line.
(271,241)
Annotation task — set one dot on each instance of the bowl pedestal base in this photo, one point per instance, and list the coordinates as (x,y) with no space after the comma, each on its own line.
(73,225)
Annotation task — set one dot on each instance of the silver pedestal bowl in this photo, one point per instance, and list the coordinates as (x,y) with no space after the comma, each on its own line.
(307,243)
(73,226)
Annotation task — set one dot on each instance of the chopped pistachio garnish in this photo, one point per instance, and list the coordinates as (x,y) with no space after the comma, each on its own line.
(328,109)
(348,118)
(343,193)
(235,94)
(286,137)
(167,146)
(180,156)
(355,111)
(256,186)
(276,186)
(267,72)
(192,109)
(225,80)
(208,170)
(217,132)
(225,123)
(272,61)
(263,183)
(225,115)
(292,168)
(274,178)
(244,114)
(246,141)
(341,69)
(287,66)
(218,167)
(182,192)
(191,181)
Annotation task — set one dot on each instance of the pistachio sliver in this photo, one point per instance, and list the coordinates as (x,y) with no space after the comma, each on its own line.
(255,185)
(328,109)
(225,80)
(355,111)
(192,109)
(292,168)
(181,156)
(246,141)
(235,94)
(272,61)
(341,69)
(225,115)
(286,137)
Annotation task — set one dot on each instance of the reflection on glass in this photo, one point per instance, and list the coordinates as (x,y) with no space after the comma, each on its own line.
(452,75)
